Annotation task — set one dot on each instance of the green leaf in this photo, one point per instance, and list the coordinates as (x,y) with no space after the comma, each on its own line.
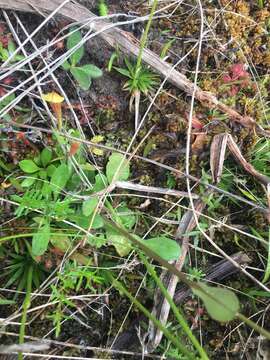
(83,79)
(73,39)
(113,172)
(267,270)
(121,243)
(85,221)
(7,302)
(101,183)
(28,166)
(60,178)
(40,240)
(61,242)
(222,304)
(50,170)
(46,156)
(124,72)
(89,206)
(166,248)
(93,71)
(127,217)
(28,182)
(66,65)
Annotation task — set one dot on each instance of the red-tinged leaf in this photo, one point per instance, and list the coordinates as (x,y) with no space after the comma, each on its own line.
(74,147)
(196,123)
(226,78)
(238,71)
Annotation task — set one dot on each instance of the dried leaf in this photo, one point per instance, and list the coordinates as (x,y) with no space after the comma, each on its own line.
(217,155)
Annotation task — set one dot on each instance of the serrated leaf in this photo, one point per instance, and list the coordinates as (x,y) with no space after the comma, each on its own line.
(28,166)
(40,240)
(221,304)
(83,79)
(46,156)
(114,171)
(166,248)
(73,39)
(93,71)
(89,206)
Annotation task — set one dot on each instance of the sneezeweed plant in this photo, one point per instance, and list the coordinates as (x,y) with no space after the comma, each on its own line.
(83,74)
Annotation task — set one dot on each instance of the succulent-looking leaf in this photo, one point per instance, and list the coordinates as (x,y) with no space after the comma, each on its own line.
(28,166)
(166,248)
(40,240)
(113,169)
(221,304)
(89,206)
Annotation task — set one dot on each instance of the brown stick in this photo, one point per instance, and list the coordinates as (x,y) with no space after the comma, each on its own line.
(129,44)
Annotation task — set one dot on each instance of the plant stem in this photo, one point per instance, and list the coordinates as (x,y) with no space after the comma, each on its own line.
(144,40)
(157,323)
(181,320)
(254,326)
(26,305)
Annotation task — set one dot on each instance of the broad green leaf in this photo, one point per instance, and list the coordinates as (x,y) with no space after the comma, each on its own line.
(222,304)
(28,166)
(121,243)
(61,242)
(28,182)
(60,178)
(85,221)
(46,156)
(89,206)
(93,71)
(66,65)
(73,39)
(127,217)
(40,240)
(83,79)
(50,170)
(101,183)
(113,171)
(166,248)
(96,241)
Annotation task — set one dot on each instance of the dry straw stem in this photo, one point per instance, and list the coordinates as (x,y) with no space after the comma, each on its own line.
(114,36)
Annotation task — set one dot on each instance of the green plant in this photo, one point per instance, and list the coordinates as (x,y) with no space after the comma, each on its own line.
(102,8)
(82,74)
(140,79)
(7,52)
(72,278)
(19,265)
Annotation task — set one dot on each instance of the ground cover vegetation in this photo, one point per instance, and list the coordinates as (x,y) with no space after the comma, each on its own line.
(134,210)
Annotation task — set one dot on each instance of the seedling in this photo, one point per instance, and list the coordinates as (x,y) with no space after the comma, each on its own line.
(83,74)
